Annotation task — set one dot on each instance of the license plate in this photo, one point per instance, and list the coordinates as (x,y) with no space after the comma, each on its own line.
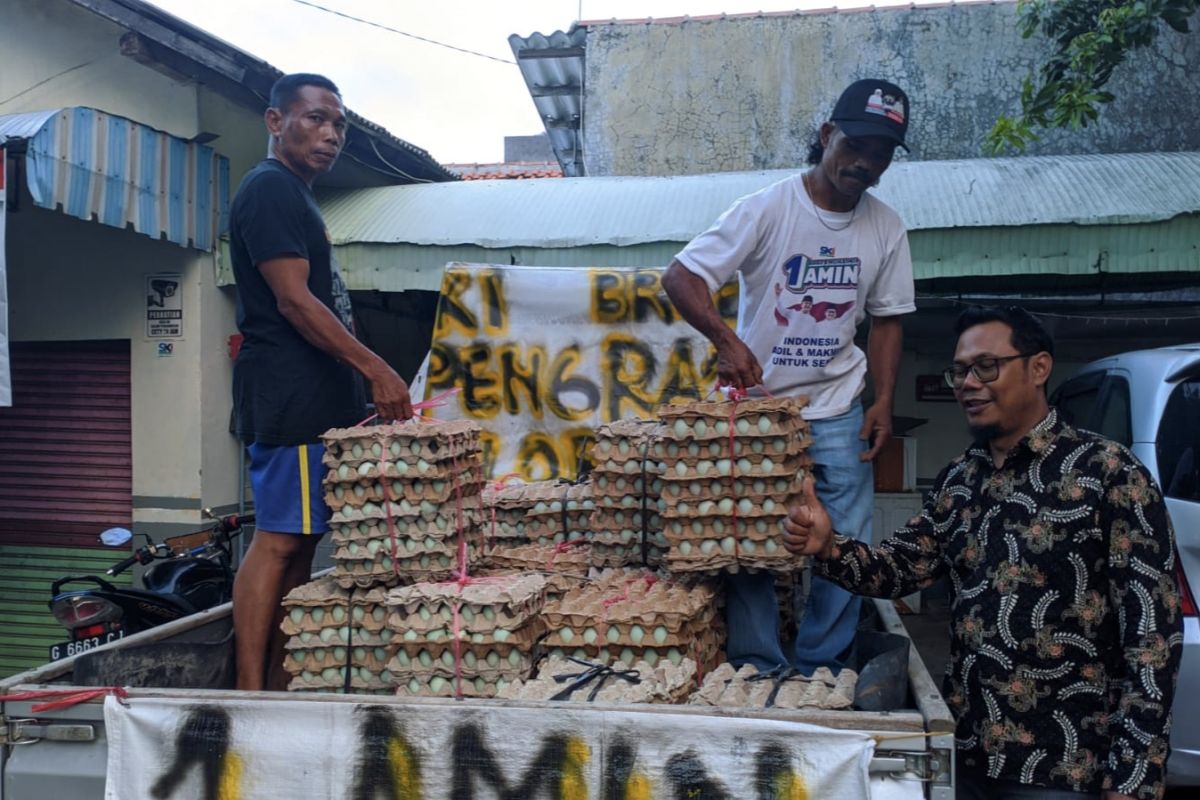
(68,649)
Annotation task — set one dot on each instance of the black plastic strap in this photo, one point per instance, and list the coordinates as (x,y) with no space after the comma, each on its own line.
(599,673)
(779,675)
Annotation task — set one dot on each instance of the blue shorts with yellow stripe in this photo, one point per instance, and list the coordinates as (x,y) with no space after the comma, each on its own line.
(287,488)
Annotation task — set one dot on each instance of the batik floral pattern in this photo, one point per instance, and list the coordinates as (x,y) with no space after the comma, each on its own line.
(1066,633)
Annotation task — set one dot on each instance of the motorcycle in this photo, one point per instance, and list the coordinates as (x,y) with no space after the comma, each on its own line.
(185,574)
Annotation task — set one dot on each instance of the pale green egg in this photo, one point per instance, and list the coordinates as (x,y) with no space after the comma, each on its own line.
(728,544)
(685,547)
(589,635)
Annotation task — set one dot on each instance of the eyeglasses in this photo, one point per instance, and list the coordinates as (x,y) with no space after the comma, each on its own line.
(985,370)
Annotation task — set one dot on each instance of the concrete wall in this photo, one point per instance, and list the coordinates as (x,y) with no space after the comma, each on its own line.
(57,54)
(70,280)
(75,280)
(746,93)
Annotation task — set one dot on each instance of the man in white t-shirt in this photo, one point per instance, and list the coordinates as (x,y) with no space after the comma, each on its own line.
(815,254)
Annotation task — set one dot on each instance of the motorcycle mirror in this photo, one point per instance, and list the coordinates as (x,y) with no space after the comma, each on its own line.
(115,537)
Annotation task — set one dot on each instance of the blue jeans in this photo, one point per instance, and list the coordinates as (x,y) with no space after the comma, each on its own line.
(846,486)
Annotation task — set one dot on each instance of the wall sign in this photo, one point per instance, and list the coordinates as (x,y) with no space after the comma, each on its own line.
(164,306)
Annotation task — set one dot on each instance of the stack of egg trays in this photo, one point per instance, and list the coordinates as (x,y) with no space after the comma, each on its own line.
(626,616)
(402,496)
(499,625)
(562,567)
(331,629)
(506,507)
(627,526)
(559,511)
(726,494)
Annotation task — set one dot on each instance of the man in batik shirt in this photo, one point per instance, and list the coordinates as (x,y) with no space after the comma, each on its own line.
(1066,632)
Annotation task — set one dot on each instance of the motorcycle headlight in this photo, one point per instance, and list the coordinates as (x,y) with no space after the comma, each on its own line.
(75,612)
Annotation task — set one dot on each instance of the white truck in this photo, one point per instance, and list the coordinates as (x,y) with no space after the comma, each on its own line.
(168,742)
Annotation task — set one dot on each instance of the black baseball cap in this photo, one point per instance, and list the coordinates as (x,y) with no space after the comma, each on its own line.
(872,107)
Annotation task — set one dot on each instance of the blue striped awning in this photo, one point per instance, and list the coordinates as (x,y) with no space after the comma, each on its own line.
(99,166)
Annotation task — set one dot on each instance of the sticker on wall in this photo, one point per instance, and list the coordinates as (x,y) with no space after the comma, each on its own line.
(164,307)
(166,349)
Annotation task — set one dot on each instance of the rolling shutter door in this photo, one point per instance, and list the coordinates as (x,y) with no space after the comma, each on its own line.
(65,475)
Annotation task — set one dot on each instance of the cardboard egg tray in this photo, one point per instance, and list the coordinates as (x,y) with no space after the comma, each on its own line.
(386,571)
(635,598)
(625,439)
(490,662)
(464,467)
(607,485)
(547,559)
(402,547)
(505,508)
(316,606)
(776,446)
(661,683)
(550,530)
(742,467)
(465,489)
(483,605)
(706,651)
(762,416)
(332,680)
(440,686)
(779,488)
(438,526)
(428,511)
(725,686)
(628,554)
(417,438)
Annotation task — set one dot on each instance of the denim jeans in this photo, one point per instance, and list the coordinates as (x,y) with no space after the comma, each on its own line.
(846,486)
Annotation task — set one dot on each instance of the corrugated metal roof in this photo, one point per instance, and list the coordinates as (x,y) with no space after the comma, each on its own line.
(93,164)
(574,212)
(798,12)
(24,126)
(553,69)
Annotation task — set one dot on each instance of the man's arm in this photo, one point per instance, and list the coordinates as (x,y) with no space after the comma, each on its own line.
(1141,587)
(909,560)
(736,365)
(883,360)
(312,319)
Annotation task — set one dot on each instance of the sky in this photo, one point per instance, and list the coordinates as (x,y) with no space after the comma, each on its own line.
(456,105)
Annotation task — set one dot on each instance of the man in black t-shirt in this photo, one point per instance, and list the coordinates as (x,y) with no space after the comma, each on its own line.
(300,369)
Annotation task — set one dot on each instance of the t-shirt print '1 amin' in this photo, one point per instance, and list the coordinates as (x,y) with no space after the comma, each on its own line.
(806,282)
(817,327)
